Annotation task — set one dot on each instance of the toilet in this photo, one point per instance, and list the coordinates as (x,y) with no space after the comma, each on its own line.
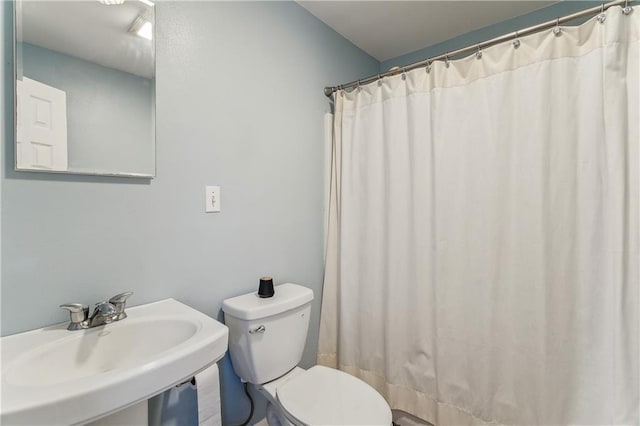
(266,340)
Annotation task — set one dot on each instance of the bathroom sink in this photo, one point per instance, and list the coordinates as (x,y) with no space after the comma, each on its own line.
(55,376)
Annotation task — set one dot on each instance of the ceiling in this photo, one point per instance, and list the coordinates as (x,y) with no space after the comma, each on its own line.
(89,30)
(387,29)
(384,29)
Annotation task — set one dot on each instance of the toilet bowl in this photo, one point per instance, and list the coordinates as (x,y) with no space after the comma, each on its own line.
(266,341)
(323,396)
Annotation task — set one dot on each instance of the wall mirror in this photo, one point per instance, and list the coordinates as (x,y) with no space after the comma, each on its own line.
(85,87)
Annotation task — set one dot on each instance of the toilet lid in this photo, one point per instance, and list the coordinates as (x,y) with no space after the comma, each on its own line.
(324,396)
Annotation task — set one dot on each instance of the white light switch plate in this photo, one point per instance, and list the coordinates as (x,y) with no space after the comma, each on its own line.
(212,199)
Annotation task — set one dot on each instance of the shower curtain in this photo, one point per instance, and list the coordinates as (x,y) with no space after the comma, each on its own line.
(484,225)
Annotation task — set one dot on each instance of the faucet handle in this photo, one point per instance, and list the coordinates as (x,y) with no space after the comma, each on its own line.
(78,313)
(120,301)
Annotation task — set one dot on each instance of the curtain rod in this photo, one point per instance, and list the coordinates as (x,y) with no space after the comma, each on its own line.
(328,91)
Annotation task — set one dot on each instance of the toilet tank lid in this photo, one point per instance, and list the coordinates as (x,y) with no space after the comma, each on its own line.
(250,307)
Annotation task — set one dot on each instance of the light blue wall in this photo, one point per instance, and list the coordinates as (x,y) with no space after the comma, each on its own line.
(240,105)
(548,13)
(109,112)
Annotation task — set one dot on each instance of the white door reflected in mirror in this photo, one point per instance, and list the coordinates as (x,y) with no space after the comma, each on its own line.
(42,130)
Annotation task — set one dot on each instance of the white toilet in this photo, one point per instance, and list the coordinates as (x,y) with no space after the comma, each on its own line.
(266,341)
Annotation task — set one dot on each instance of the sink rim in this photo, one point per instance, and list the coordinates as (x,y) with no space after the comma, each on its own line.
(80,400)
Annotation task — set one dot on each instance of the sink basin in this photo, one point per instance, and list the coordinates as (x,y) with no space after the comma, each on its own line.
(55,376)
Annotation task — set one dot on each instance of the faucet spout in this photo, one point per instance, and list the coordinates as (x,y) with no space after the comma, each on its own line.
(103,313)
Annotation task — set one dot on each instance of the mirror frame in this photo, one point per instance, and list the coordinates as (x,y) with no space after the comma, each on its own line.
(17,5)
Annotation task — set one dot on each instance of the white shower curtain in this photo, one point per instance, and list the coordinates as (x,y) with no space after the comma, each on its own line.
(483,250)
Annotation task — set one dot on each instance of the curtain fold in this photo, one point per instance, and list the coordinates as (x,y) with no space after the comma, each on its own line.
(483,243)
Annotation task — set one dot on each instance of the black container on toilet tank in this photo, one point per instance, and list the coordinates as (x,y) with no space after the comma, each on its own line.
(265,289)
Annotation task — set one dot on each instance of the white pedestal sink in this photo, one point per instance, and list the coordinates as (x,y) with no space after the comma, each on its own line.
(55,376)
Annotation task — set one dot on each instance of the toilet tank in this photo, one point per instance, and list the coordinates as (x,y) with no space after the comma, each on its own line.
(267,336)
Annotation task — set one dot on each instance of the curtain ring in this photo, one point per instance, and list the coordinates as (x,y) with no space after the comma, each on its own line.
(428,67)
(447,63)
(479,53)
(379,81)
(358,89)
(404,73)
(602,16)
(557,31)
(516,41)
(627,9)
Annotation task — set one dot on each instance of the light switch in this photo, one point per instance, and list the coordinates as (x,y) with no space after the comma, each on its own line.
(212,199)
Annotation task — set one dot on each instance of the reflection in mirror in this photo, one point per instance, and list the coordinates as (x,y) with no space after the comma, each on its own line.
(85,87)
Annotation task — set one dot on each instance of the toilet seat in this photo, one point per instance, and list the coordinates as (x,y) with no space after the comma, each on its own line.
(324,396)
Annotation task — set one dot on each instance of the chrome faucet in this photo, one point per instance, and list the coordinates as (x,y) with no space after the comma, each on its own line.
(103,312)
